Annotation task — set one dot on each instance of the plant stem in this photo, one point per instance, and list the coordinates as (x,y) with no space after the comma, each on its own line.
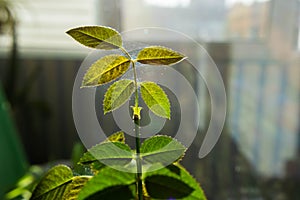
(136,120)
(138,160)
(136,100)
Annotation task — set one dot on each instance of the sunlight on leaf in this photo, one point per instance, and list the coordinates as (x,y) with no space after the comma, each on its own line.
(99,37)
(116,137)
(53,183)
(96,165)
(113,153)
(59,183)
(117,94)
(156,99)
(73,189)
(158,55)
(106,69)
(162,149)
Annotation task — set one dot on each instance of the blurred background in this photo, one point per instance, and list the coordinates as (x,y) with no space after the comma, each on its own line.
(255,44)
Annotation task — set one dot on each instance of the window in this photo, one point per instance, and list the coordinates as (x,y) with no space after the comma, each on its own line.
(42,24)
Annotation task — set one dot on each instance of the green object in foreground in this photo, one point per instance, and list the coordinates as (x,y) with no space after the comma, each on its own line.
(151,170)
(11,151)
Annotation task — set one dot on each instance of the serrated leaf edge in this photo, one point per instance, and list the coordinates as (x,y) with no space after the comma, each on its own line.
(131,81)
(108,139)
(57,186)
(104,142)
(168,117)
(159,46)
(192,176)
(176,161)
(68,191)
(89,86)
(107,27)
(145,175)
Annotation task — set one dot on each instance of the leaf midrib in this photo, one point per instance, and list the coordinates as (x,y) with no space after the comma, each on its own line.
(125,88)
(160,58)
(103,72)
(101,40)
(67,182)
(107,70)
(106,158)
(153,97)
(158,152)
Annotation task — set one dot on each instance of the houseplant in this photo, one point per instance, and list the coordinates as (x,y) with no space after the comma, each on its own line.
(113,169)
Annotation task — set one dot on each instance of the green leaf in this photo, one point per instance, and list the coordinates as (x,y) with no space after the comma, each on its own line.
(156,99)
(175,182)
(158,55)
(117,94)
(96,165)
(73,189)
(106,69)
(162,149)
(53,184)
(99,37)
(112,153)
(172,188)
(116,137)
(109,184)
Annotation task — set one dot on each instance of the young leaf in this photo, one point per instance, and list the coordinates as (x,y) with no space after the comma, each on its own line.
(109,184)
(96,166)
(161,149)
(99,37)
(156,99)
(54,184)
(117,94)
(175,182)
(158,55)
(105,70)
(116,137)
(113,153)
(73,189)
(136,111)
